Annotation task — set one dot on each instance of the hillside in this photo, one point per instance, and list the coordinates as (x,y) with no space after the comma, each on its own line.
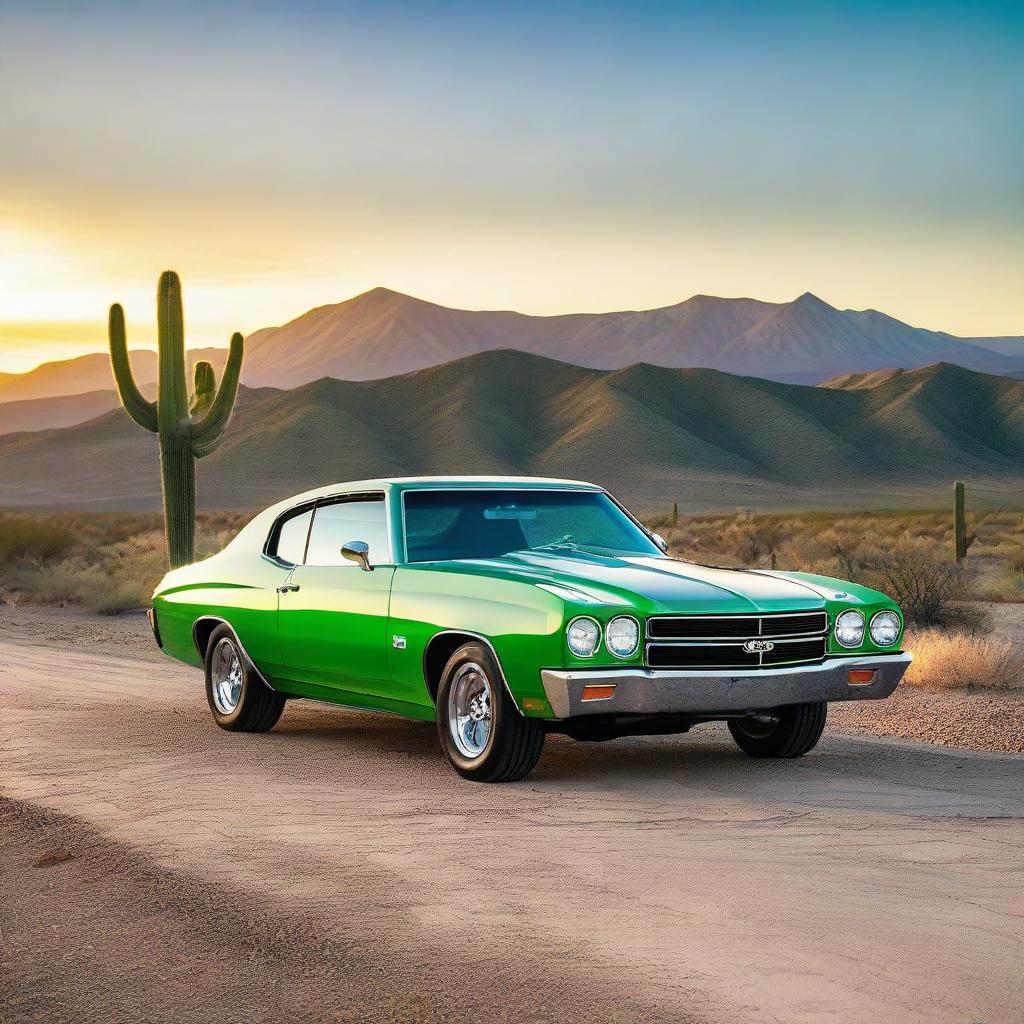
(88,373)
(63,411)
(654,435)
(382,332)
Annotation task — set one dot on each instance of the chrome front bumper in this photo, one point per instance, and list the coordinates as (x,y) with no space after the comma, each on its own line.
(703,692)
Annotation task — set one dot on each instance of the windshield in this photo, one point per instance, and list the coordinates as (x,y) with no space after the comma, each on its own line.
(441,525)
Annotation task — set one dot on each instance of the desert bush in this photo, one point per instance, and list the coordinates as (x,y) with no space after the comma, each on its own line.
(25,537)
(956,659)
(930,589)
(56,584)
(107,562)
(112,598)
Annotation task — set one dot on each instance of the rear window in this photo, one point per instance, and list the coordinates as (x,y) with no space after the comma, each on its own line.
(290,542)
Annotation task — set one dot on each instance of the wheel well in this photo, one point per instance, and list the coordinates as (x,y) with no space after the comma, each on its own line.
(438,652)
(201,633)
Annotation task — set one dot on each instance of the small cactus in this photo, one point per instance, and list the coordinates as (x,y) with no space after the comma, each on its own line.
(187,430)
(961,541)
(674,521)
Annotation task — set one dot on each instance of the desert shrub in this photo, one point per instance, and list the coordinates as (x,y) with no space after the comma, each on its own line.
(108,562)
(56,584)
(962,659)
(34,538)
(112,597)
(929,588)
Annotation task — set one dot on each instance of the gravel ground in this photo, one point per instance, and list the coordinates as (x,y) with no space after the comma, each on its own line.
(978,720)
(156,869)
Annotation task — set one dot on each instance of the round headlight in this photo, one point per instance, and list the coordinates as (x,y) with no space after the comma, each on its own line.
(850,628)
(583,636)
(622,636)
(885,628)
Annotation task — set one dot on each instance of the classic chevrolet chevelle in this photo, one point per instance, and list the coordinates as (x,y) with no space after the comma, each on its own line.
(507,608)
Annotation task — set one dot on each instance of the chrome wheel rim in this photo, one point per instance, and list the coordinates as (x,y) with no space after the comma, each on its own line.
(226,676)
(470,709)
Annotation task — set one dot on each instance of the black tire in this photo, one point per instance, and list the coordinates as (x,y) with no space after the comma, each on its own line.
(798,730)
(258,707)
(514,743)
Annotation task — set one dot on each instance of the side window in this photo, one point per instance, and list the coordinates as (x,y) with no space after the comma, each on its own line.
(291,538)
(344,521)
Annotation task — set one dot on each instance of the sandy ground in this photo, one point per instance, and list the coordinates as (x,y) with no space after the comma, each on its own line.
(154,868)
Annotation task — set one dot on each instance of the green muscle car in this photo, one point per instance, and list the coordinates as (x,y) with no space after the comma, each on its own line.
(508,608)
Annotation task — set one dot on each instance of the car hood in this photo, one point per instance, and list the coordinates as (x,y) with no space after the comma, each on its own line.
(651,584)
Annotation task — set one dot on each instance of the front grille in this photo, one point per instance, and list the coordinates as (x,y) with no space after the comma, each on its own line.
(727,627)
(716,641)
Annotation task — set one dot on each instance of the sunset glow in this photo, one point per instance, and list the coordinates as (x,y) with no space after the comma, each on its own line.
(283,157)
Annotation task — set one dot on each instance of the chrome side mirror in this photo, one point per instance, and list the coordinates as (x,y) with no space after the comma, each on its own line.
(660,541)
(358,551)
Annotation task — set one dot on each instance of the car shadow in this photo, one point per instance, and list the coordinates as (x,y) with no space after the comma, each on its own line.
(847,772)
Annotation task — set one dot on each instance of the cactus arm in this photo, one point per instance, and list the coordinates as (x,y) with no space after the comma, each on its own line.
(207,431)
(205,387)
(172,402)
(135,404)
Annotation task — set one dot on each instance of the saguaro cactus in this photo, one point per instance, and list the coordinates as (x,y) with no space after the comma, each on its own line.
(961,542)
(186,432)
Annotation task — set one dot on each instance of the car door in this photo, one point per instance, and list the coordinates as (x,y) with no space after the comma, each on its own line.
(332,613)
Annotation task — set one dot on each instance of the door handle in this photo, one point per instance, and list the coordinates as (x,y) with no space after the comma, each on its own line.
(288,588)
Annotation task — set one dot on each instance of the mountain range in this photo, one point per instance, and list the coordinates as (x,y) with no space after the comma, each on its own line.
(382,333)
(654,435)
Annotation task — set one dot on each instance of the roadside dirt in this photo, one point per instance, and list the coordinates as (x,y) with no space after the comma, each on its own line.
(154,868)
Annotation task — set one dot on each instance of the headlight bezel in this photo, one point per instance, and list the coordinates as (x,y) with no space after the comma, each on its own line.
(859,642)
(597,642)
(631,653)
(899,627)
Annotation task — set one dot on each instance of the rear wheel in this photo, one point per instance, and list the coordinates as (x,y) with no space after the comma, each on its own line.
(482,733)
(238,697)
(796,731)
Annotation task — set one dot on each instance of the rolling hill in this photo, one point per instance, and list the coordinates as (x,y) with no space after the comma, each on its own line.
(63,411)
(89,373)
(654,435)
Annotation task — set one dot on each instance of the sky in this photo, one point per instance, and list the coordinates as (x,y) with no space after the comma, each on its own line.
(542,157)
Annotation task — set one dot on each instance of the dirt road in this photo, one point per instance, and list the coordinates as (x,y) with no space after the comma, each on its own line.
(154,868)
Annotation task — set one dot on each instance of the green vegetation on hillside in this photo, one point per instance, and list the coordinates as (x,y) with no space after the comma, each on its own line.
(653,436)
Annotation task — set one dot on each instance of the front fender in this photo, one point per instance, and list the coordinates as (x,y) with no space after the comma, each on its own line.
(522,623)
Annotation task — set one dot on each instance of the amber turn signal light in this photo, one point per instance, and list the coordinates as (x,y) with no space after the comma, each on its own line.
(597,692)
(860,676)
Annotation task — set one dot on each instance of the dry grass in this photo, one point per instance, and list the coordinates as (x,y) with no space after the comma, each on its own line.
(112,562)
(958,659)
(108,563)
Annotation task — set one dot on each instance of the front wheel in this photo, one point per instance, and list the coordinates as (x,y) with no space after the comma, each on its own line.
(797,730)
(238,697)
(482,732)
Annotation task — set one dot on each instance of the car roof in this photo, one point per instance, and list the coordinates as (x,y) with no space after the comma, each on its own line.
(427,483)
(411,483)
(255,530)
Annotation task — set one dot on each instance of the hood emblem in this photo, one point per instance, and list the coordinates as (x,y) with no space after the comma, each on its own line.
(758,646)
